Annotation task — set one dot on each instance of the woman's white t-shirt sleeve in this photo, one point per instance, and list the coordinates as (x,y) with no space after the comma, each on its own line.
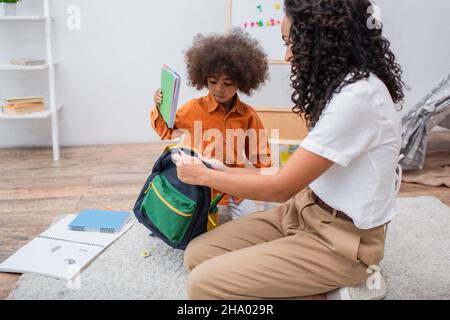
(348,126)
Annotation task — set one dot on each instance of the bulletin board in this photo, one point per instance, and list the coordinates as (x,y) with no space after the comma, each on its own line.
(262,20)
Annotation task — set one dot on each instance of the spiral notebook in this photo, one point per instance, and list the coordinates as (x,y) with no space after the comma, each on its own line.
(59,252)
(99,220)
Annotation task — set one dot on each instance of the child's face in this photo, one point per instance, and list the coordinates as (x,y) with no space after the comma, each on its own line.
(222,88)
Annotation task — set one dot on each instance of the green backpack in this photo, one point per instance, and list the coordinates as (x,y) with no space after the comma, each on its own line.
(174,211)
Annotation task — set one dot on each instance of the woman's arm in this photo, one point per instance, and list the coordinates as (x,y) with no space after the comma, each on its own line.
(241,171)
(220,166)
(302,168)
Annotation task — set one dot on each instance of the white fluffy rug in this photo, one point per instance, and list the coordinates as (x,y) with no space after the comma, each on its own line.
(416,265)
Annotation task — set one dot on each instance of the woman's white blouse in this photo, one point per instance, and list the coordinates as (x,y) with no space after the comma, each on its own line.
(360,131)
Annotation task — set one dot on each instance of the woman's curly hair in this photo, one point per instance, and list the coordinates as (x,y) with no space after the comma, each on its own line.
(236,55)
(331,39)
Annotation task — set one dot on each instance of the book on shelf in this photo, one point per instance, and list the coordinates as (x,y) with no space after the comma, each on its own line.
(19,100)
(28,62)
(21,106)
(24,105)
(22,111)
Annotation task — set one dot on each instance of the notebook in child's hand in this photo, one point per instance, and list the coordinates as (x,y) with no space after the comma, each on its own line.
(99,220)
(170,86)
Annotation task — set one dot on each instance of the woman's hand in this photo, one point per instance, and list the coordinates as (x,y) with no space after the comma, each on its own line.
(190,170)
(157,97)
(214,163)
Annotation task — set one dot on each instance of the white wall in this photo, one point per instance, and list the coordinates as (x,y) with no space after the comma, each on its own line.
(419,34)
(109,68)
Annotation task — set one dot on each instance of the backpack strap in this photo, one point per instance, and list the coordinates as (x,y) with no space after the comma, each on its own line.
(174,146)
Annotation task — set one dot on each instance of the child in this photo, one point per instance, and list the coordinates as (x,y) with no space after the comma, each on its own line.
(225,65)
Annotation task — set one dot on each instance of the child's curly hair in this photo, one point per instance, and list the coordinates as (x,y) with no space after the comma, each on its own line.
(236,55)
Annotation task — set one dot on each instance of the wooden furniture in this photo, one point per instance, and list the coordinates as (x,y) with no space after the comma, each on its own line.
(292,129)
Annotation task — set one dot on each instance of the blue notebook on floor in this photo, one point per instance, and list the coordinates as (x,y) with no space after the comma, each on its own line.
(99,221)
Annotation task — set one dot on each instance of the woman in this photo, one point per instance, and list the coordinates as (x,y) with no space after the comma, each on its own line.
(339,185)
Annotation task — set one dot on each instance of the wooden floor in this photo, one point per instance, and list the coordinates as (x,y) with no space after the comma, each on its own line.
(34,189)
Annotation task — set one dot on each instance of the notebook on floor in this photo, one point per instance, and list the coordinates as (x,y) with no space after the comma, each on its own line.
(99,220)
(59,252)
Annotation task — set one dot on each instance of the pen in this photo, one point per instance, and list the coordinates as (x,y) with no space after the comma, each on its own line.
(216,200)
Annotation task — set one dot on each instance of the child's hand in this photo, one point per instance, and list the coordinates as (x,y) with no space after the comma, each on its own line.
(157,97)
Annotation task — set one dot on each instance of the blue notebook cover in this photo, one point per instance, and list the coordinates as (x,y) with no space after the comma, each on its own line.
(99,220)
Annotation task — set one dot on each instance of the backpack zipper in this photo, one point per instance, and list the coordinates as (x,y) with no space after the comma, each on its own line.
(168,204)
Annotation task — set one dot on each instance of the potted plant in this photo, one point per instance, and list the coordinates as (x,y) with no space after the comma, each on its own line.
(8,7)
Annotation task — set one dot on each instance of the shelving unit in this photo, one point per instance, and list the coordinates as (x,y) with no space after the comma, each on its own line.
(49,68)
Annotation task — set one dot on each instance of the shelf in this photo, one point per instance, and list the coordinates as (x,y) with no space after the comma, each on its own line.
(12,67)
(22,18)
(37,115)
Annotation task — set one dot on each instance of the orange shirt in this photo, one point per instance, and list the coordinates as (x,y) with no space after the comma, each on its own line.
(217,134)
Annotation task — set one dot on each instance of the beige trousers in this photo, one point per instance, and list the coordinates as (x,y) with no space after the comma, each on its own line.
(295,250)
